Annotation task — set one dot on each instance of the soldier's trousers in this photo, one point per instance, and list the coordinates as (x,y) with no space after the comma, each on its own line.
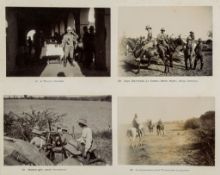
(68,52)
(188,58)
(199,58)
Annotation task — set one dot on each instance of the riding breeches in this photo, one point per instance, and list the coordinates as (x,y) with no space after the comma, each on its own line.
(68,52)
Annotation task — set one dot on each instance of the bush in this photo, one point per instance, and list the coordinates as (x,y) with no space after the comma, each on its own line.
(192,123)
(20,127)
(208,120)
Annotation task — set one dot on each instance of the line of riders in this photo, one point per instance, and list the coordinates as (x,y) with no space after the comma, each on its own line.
(165,47)
(140,129)
(65,144)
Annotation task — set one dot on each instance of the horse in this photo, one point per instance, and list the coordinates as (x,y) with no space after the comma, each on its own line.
(150,126)
(144,55)
(135,137)
(160,129)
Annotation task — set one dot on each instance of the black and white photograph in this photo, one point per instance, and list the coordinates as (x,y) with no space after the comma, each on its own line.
(57,130)
(58,42)
(166,131)
(165,41)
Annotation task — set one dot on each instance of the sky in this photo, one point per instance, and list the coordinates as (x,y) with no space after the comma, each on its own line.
(164,108)
(176,20)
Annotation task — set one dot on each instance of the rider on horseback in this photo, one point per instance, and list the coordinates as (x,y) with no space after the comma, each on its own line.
(163,47)
(148,43)
(136,124)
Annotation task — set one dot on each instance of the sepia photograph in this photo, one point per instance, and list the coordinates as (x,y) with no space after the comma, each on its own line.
(165,41)
(166,131)
(58,42)
(57,130)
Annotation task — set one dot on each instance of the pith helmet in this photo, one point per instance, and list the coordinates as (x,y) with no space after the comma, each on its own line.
(148,27)
(69,28)
(82,121)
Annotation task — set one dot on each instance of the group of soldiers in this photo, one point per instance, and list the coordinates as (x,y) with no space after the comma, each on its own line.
(61,141)
(70,42)
(192,48)
(136,124)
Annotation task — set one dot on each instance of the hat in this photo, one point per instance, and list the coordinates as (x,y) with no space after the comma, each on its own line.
(82,121)
(148,27)
(69,28)
(162,29)
(191,32)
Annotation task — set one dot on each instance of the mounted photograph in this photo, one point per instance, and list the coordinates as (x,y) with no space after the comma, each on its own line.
(58,42)
(57,130)
(165,41)
(166,131)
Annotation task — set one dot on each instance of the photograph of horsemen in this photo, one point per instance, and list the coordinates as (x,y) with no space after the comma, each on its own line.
(57,130)
(165,41)
(166,131)
(58,42)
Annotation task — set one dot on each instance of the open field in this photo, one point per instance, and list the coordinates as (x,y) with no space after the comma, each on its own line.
(174,148)
(98,114)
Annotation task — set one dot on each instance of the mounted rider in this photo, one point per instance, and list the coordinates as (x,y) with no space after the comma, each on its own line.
(147,45)
(136,125)
(162,44)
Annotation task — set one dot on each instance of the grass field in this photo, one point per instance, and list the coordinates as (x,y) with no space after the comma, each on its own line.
(174,148)
(97,113)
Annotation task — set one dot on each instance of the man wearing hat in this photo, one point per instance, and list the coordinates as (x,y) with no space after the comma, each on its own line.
(187,54)
(199,54)
(69,41)
(86,140)
(162,40)
(149,33)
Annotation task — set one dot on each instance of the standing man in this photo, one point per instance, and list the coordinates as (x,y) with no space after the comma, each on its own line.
(69,41)
(85,41)
(187,54)
(199,54)
(91,47)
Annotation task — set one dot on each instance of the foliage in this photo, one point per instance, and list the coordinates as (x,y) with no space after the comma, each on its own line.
(192,123)
(205,125)
(20,127)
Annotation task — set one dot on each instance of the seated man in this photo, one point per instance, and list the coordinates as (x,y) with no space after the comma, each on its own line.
(38,140)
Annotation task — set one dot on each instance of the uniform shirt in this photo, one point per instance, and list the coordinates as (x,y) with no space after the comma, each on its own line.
(69,39)
(149,36)
(86,138)
(135,123)
(162,38)
(198,49)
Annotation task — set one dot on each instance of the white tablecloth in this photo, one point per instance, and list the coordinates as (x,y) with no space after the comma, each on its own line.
(51,50)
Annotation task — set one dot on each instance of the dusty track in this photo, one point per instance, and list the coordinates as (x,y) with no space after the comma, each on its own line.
(170,149)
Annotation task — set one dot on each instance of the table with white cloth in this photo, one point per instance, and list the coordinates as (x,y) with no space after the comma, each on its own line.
(51,51)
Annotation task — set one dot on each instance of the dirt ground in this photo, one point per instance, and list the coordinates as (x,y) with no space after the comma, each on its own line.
(171,149)
(128,68)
